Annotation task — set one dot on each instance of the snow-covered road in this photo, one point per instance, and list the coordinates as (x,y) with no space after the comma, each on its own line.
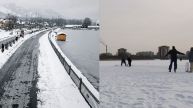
(19,76)
(147,84)
(31,65)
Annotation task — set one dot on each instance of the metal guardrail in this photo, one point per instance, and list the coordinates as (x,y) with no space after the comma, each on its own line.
(4,44)
(9,41)
(84,90)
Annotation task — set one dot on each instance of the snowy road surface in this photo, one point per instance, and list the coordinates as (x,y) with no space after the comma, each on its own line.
(147,84)
(19,76)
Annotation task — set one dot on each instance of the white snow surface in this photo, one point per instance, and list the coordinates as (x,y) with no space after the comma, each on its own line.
(57,90)
(8,53)
(7,34)
(147,84)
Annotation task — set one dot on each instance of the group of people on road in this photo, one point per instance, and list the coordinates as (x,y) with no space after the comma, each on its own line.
(173,58)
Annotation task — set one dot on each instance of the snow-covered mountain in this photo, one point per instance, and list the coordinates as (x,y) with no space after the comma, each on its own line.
(23,12)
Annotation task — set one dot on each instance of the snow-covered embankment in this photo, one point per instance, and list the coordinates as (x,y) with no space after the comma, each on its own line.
(57,90)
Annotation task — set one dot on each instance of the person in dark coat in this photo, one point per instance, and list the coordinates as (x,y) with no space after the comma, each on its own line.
(190,58)
(129,61)
(123,58)
(2,48)
(173,56)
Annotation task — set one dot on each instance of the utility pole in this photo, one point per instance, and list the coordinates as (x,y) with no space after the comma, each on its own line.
(106,48)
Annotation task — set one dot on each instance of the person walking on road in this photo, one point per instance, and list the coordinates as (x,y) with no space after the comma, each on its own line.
(190,57)
(2,48)
(173,57)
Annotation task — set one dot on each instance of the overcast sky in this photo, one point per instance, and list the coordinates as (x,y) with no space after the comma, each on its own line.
(143,25)
(68,8)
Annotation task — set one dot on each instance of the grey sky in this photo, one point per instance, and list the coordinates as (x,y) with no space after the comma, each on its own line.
(143,25)
(68,8)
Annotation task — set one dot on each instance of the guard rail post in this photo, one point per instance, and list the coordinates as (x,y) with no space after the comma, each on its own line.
(80,84)
(70,69)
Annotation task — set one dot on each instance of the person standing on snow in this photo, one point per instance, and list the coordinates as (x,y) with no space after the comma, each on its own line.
(129,61)
(173,56)
(190,57)
(123,58)
(2,47)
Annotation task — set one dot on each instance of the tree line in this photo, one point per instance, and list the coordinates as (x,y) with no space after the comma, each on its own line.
(14,22)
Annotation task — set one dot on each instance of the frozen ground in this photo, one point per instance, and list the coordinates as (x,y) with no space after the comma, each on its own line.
(147,84)
(57,89)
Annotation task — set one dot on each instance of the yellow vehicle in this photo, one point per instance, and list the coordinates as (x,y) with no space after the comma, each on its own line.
(61,37)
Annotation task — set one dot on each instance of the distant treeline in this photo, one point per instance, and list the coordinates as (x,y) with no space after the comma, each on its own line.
(109,56)
(14,22)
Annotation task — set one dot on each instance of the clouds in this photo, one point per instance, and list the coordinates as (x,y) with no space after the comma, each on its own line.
(68,8)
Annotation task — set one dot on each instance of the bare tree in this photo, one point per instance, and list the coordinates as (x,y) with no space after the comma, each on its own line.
(12,22)
(86,23)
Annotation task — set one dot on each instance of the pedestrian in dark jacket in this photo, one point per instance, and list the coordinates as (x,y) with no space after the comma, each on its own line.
(173,56)
(2,48)
(129,61)
(123,58)
(190,57)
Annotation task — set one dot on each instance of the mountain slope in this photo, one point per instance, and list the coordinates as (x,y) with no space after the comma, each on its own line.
(23,12)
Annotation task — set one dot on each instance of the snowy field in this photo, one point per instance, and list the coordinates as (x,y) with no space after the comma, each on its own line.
(147,84)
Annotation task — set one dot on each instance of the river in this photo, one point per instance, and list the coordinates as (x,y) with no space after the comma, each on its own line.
(82,48)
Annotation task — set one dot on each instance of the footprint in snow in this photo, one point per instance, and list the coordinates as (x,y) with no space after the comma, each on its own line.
(180,96)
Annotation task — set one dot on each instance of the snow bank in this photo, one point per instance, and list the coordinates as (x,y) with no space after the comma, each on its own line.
(147,84)
(7,34)
(57,90)
(86,88)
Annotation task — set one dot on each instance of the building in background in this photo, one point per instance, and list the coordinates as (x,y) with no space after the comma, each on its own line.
(162,51)
(145,53)
(121,51)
